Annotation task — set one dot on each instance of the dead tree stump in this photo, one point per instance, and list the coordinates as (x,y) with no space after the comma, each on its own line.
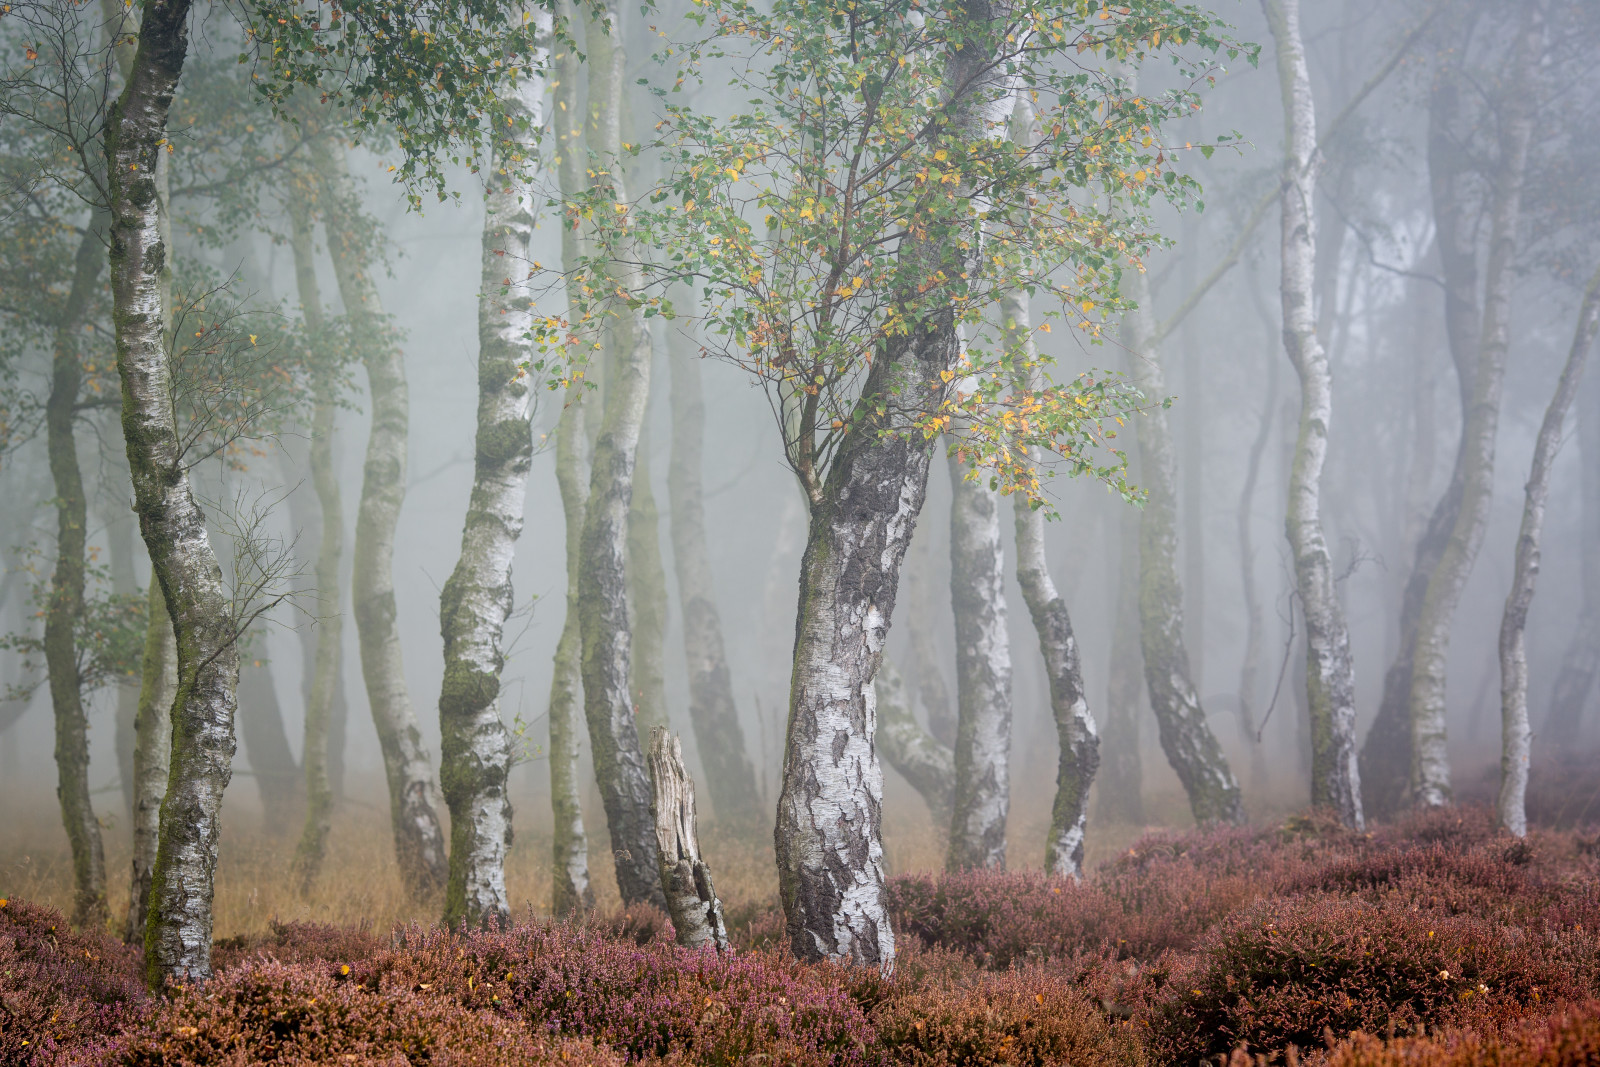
(685,879)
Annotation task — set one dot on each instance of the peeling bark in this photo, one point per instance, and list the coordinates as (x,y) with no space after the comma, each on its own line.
(1187,740)
(712,710)
(152,732)
(478,597)
(602,580)
(65,606)
(914,753)
(419,842)
(1330,670)
(178,933)
(1077,738)
(1516,737)
(983,676)
(1430,764)
(686,879)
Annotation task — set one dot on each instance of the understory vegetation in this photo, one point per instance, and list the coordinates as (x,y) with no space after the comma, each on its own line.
(1434,941)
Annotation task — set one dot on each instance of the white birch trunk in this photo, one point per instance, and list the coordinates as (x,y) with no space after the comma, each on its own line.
(1430,763)
(1570,694)
(476,752)
(685,878)
(1330,670)
(178,932)
(152,740)
(1516,736)
(913,752)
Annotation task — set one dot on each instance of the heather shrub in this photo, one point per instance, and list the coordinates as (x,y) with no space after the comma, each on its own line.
(1289,972)
(1571,1039)
(1028,1017)
(297,1014)
(1001,918)
(295,942)
(60,990)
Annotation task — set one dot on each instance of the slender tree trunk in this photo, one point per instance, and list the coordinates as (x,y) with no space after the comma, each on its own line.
(1430,765)
(712,710)
(152,732)
(178,934)
(419,842)
(602,579)
(1121,772)
(1187,740)
(926,662)
(478,596)
(1516,737)
(121,533)
(266,743)
(647,593)
(691,897)
(914,753)
(1255,628)
(65,606)
(1387,755)
(1077,737)
(571,891)
(1330,669)
(1570,694)
(983,675)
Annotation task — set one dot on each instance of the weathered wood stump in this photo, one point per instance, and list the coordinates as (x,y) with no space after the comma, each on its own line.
(685,879)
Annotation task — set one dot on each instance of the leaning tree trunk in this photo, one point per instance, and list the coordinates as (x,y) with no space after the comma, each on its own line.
(712,711)
(1121,798)
(478,597)
(602,578)
(152,741)
(914,753)
(1191,748)
(647,592)
(686,879)
(418,840)
(64,609)
(178,934)
(571,891)
(1516,737)
(1570,694)
(983,675)
(312,848)
(1430,762)
(1077,738)
(1330,669)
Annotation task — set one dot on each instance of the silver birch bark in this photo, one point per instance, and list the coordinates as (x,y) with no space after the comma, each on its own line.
(712,711)
(1430,764)
(152,741)
(1581,662)
(686,879)
(913,752)
(1077,737)
(983,675)
(1187,740)
(1330,670)
(477,598)
(178,933)
(602,577)
(1121,799)
(419,842)
(570,891)
(1516,736)
(312,847)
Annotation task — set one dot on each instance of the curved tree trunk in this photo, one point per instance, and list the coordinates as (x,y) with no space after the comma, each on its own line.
(1330,670)
(1255,629)
(913,752)
(926,663)
(65,606)
(712,710)
(152,733)
(571,891)
(178,933)
(983,675)
(1191,747)
(1121,777)
(478,597)
(1430,764)
(602,578)
(1570,694)
(1077,737)
(647,593)
(419,842)
(1516,737)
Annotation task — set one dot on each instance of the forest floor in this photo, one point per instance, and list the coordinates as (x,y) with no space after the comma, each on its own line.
(1435,941)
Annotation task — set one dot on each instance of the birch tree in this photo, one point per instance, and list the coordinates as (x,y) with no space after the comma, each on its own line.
(1581,662)
(1330,669)
(1515,732)
(914,753)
